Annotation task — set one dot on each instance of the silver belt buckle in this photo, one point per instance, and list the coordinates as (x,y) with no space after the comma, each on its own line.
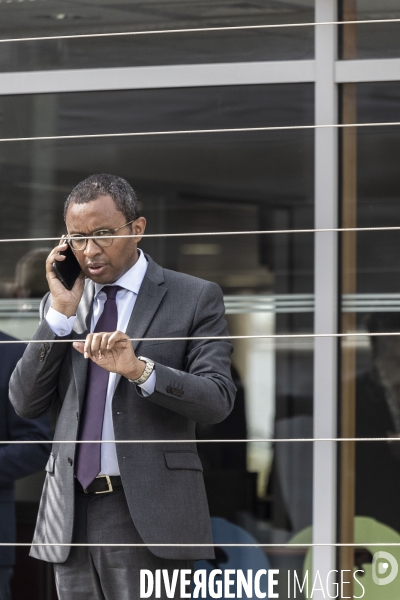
(108,480)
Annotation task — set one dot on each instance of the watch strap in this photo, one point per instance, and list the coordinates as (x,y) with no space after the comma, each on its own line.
(147,371)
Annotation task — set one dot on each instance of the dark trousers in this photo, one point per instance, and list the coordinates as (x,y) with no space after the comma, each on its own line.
(5,577)
(108,573)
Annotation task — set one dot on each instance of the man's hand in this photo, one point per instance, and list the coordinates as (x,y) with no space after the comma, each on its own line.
(112,351)
(64,301)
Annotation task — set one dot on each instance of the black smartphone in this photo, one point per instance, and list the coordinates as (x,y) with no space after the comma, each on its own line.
(67,270)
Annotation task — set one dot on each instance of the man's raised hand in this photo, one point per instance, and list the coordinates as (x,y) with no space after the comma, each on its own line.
(112,351)
(64,301)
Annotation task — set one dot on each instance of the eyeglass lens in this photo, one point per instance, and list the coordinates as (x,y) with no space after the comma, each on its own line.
(100,238)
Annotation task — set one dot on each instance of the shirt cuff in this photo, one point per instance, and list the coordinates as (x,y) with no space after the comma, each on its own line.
(148,386)
(59,323)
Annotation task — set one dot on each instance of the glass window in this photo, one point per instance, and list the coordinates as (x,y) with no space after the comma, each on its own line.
(50,17)
(370,401)
(370,40)
(196,183)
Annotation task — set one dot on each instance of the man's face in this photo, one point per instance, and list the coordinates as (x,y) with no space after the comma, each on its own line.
(104,265)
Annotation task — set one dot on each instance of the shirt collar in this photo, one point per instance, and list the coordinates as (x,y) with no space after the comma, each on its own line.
(132,279)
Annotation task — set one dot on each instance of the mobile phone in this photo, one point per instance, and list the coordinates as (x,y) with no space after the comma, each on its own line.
(67,270)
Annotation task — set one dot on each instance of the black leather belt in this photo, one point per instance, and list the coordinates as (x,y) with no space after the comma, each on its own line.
(103,484)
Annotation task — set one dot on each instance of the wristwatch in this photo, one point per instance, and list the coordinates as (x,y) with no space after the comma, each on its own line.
(147,370)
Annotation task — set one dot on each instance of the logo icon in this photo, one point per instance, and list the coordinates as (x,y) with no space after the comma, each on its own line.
(384,568)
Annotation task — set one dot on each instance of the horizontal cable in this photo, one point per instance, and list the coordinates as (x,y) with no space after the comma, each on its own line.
(215,233)
(257,440)
(88,136)
(219,544)
(193,30)
(219,337)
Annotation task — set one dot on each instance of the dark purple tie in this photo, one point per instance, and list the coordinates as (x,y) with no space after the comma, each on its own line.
(88,456)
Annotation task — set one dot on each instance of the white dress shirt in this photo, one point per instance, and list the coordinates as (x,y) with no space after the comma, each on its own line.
(126,298)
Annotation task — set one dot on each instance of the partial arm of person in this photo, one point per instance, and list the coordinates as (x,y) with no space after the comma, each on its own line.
(20,460)
(33,384)
(206,391)
(206,386)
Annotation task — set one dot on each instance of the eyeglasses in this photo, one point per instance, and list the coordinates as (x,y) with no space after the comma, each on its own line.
(101,237)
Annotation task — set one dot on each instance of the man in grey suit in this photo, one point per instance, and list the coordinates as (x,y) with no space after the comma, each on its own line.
(122,493)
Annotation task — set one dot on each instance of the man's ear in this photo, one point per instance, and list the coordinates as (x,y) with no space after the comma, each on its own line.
(138,228)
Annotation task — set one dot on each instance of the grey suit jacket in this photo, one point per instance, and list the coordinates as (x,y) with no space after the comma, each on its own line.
(163,482)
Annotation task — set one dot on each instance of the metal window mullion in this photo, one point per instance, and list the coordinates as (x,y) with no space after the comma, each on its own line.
(360,70)
(156,77)
(326,291)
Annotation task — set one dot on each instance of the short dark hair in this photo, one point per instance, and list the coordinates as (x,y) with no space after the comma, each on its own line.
(106,185)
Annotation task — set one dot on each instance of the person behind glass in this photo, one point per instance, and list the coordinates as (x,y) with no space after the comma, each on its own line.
(129,493)
(16,460)
(378,415)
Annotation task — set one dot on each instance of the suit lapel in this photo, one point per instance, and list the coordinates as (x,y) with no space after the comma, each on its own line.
(149,298)
(80,330)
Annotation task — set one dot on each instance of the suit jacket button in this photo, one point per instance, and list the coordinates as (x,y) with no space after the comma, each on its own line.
(70,461)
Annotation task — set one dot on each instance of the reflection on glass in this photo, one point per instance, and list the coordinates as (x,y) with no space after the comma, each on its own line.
(369,472)
(378,415)
(370,40)
(49,18)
